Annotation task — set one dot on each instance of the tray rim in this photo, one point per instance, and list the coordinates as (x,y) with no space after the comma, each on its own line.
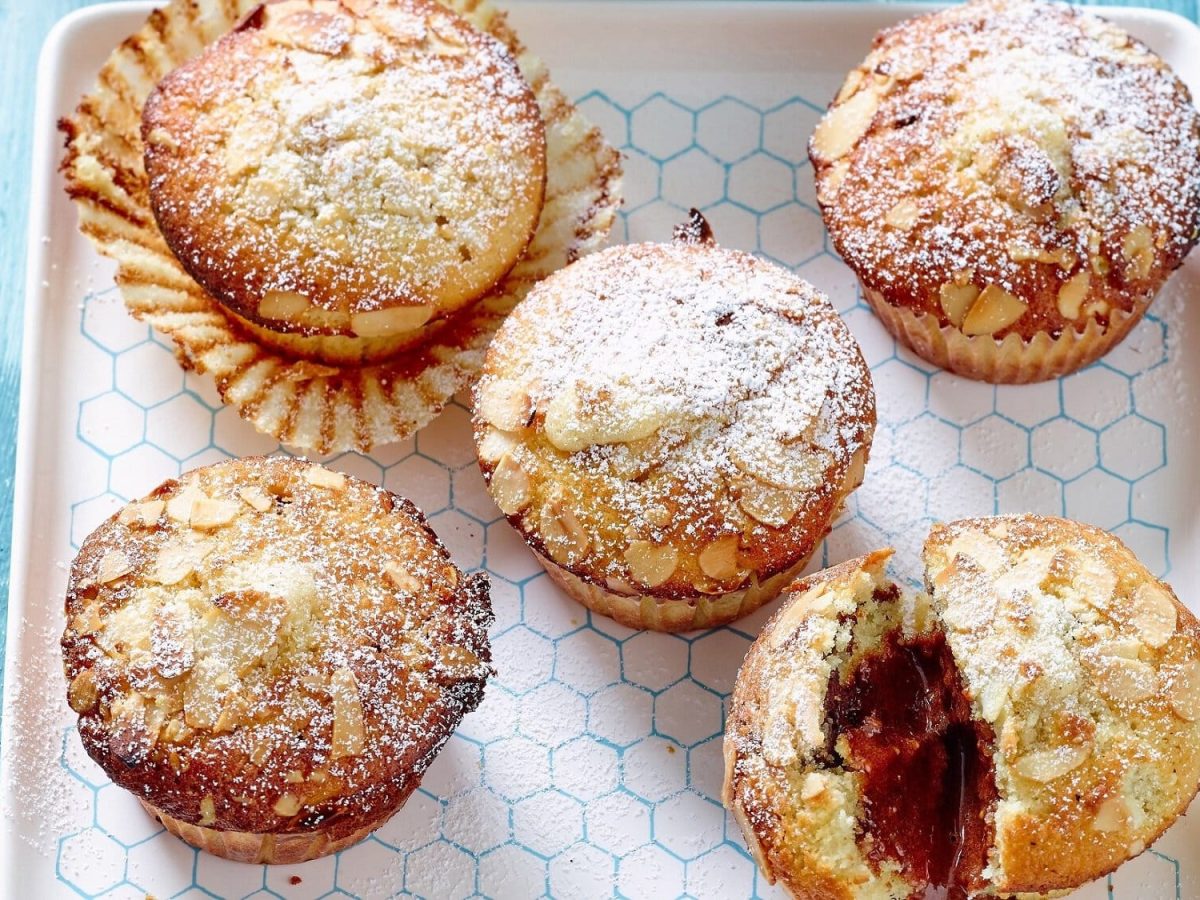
(34,299)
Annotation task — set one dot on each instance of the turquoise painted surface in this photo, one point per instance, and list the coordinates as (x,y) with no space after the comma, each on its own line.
(23,26)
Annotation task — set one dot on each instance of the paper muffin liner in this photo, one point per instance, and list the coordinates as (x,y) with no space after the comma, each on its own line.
(644,611)
(1012,360)
(273,849)
(304,404)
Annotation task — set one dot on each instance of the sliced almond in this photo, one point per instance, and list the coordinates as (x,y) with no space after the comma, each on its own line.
(1052,763)
(1095,581)
(995,309)
(503,403)
(1072,293)
(171,642)
(979,548)
(1112,814)
(903,215)
(400,25)
(349,730)
(230,718)
(256,498)
(624,417)
(208,514)
(388,322)
(844,125)
(495,443)
(401,578)
(771,506)
(83,692)
(651,564)
(88,620)
(179,507)
(113,565)
(1137,248)
(319,476)
(510,486)
(444,39)
(282,305)
(144,515)
(208,811)
(718,559)
(287,805)
(565,537)
(830,181)
(160,137)
(457,664)
(851,85)
(1153,614)
(1060,256)
(1123,680)
(201,701)
(956,299)
(1183,692)
(179,559)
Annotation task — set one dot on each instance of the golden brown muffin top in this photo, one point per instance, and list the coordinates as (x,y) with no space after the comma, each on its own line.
(354,168)
(265,645)
(1087,667)
(673,418)
(1011,166)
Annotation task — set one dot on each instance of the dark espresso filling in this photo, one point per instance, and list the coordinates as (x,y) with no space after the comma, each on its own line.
(925,771)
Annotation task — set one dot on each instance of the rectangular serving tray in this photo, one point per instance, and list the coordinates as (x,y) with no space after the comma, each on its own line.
(594,766)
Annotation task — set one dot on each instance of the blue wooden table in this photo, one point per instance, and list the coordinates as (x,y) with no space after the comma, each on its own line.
(23,26)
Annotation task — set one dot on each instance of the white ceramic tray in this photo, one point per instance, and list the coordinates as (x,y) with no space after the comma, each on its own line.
(593,767)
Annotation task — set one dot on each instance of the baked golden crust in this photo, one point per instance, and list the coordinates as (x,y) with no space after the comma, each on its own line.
(268,647)
(799,814)
(1011,167)
(1079,673)
(355,169)
(1088,669)
(687,428)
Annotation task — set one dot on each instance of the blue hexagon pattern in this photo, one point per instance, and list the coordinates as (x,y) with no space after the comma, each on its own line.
(593,768)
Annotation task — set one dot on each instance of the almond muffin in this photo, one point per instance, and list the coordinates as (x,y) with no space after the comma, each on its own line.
(673,427)
(1012,181)
(343,176)
(269,655)
(1024,727)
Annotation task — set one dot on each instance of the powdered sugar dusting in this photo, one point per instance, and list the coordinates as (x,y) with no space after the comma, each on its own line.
(1017,144)
(302,660)
(362,160)
(679,379)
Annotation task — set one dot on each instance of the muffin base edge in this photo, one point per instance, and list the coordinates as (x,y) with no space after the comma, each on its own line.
(271,849)
(1008,361)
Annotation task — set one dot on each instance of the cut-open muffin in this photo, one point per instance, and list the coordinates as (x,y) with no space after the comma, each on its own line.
(1024,727)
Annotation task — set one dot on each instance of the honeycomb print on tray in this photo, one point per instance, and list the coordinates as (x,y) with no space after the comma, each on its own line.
(593,768)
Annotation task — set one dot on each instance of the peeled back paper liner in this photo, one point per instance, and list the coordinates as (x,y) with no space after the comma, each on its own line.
(304,404)
(1012,360)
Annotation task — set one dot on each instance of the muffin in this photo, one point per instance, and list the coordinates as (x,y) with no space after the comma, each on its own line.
(269,655)
(672,428)
(1012,181)
(306,403)
(341,177)
(1024,727)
